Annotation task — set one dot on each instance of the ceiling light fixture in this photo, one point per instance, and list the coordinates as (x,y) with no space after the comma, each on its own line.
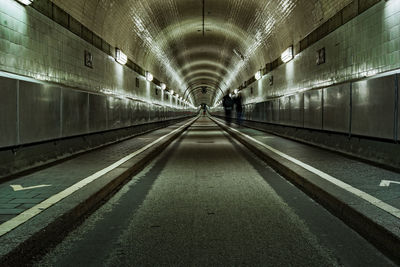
(287,55)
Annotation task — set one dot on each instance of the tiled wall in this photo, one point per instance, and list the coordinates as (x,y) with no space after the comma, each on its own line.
(366,45)
(33,45)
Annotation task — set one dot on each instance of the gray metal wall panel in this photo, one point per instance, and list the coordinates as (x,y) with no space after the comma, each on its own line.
(142,113)
(398,107)
(259,110)
(39,112)
(152,113)
(245,111)
(268,111)
(125,112)
(313,109)
(8,112)
(337,108)
(97,113)
(264,112)
(114,109)
(374,107)
(250,113)
(134,112)
(75,112)
(275,110)
(284,110)
(296,109)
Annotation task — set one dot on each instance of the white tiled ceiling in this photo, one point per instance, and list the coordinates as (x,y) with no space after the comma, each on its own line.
(166,36)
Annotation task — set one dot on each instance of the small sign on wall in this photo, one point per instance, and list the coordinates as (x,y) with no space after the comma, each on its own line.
(321,56)
(88,59)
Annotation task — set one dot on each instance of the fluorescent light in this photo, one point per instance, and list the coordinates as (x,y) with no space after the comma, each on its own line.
(163,86)
(120,57)
(25,2)
(287,55)
(258,75)
(149,76)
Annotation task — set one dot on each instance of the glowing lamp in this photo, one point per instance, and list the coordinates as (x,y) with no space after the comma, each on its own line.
(149,76)
(163,86)
(258,75)
(120,57)
(287,55)
(25,2)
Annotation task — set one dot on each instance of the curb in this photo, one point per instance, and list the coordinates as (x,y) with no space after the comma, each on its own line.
(45,230)
(377,226)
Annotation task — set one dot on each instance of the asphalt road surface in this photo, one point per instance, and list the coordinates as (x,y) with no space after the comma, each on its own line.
(208,201)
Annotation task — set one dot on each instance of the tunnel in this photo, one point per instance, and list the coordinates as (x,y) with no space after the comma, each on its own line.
(199,133)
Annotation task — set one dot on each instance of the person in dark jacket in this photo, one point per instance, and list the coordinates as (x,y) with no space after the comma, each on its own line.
(227,102)
(239,108)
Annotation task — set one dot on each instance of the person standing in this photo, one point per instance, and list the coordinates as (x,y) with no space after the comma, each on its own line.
(239,108)
(227,102)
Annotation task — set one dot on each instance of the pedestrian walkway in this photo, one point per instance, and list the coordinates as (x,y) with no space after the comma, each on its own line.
(23,193)
(365,196)
(376,181)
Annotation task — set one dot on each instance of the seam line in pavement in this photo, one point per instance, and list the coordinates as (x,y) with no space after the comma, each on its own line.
(35,210)
(365,196)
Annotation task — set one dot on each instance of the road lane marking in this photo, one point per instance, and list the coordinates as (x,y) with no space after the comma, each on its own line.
(35,210)
(363,195)
(18,187)
(387,183)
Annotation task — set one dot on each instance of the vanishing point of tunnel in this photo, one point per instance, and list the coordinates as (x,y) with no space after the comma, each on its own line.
(199,132)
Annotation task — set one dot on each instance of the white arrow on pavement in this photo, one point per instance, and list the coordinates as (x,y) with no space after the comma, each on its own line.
(17,187)
(387,183)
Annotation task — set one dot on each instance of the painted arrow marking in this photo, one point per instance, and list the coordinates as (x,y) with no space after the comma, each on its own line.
(387,183)
(17,187)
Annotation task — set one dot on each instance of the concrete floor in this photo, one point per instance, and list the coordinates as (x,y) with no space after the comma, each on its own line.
(206,200)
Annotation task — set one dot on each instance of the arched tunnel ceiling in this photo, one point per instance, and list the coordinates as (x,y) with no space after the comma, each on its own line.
(166,37)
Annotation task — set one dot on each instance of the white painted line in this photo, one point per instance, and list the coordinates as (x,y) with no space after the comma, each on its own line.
(387,183)
(30,213)
(18,187)
(365,196)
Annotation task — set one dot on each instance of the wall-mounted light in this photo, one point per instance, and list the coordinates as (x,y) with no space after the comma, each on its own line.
(171,92)
(287,55)
(163,86)
(236,91)
(258,75)
(120,57)
(149,76)
(25,2)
